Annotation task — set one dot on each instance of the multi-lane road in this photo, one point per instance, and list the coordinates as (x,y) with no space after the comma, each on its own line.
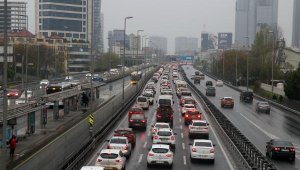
(257,127)
(138,158)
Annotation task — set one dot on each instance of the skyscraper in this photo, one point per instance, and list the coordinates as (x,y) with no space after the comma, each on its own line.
(97,26)
(159,42)
(251,15)
(296,24)
(17,17)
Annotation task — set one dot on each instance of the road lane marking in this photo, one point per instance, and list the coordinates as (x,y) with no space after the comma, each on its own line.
(140,158)
(179,120)
(261,129)
(182,135)
(184,160)
(145,144)
(183,146)
(180,126)
(149,132)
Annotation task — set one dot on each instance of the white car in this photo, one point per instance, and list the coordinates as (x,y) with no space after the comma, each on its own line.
(219,83)
(69,78)
(199,127)
(149,91)
(160,155)
(111,158)
(22,99)
(92,168)
(202,149)
(150,97)
(121,143)
(165,136)
(143,102)
(158,126)
(44,83)
(167,92)
(187,107)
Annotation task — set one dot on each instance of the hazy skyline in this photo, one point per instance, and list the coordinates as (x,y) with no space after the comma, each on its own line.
(172,18)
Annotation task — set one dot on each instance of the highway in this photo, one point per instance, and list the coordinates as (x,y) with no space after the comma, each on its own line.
(257,127)
(138,158)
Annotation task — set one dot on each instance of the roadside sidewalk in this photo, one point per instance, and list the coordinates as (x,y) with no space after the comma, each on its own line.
(43,135)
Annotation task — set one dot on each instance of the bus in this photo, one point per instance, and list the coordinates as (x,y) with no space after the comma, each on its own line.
(135,77)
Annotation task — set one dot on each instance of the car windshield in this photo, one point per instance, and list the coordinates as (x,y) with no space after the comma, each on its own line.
(161,126)
(283,143)
(203,144)
(264,104)
(199,124)
(164,133)
(189,106)
(118,141)
(137,116)
(122,132)
(165,102)
(148,95)
(109,155)
(160,150)
(136,110)
(142,99)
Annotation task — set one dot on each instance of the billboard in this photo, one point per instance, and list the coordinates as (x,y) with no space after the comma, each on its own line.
(186,58)
(224,40)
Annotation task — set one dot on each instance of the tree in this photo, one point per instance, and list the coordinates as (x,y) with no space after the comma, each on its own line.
(108,60)
(292,86)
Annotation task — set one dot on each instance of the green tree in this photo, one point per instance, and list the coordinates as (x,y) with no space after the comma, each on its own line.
(106,61)
(292,86)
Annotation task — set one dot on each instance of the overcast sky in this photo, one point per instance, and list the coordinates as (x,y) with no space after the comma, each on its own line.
(172,18)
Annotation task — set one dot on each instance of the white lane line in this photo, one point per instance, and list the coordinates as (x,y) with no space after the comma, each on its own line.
(182,135)
(180,126)
(261,129)
(140,158)
(183,146)
(180,120)
(149,133)
(184,160)
(145,144)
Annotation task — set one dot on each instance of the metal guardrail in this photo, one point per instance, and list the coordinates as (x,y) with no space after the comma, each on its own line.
(248,155)
(255,95)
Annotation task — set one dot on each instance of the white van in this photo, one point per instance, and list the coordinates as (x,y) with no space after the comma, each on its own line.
(165,100)
(143,102)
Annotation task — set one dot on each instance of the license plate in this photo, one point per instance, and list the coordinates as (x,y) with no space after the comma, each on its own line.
(164,139)
(159,162)
(203,156)
(284,150)
(193,116)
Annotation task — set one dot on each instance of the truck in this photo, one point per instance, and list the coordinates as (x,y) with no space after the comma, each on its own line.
(164,111)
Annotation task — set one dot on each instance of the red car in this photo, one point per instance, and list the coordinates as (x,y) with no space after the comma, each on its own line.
(137,120)
(14,93)
(135,110)
(187,100)
(191,115)
(227,102)
(126,132)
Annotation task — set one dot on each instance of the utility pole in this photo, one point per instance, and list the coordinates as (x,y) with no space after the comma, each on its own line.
(5,80)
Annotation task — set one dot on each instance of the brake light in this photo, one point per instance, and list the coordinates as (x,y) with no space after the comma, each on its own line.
(154,130)
(292,149)
(130,113)
(143,121)
(276,149)
(108,146)
(126,147)
(193,149)
(150,154)
(118,160)
(99,160)
(131,120)
(158,115)
(168,155)
(212,150)
(156,137)
(172,137)
(199,116)
(186,115)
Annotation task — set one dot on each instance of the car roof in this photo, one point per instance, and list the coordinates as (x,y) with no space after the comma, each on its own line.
(116,151)
(160,123)
(165,129)
(188,105)
(160,146)
(124,129)
(119,137)
(202,121)
(227,97)
(202,140)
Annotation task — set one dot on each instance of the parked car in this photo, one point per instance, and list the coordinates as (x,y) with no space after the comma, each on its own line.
(281,149)
(219,83)
(246,96)
(199,128)
(126,132)
(111,158)
(203,150)
(227,102)
(263,107)
(160,154)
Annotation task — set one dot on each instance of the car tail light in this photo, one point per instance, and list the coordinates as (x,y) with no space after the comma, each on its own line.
(158,115)
(156,137)
(131,120)
(99,160)
(199,116)
(212,150)
(154,130)
(130,113)
(126,147)
(143,121)
(108,146)
(292,149)
(150,154)
(276,149)
(172,137)
(186,115)
(119,160)
(193,149)
(168,155)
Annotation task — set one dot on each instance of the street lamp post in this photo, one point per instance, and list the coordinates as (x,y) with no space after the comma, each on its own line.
(143,51)
(137,45)
(247,64)
(123,64)
(273,55)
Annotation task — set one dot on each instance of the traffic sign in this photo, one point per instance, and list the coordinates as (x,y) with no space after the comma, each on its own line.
(91,119)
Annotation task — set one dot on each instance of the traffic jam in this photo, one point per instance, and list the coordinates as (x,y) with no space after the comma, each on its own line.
(160,92)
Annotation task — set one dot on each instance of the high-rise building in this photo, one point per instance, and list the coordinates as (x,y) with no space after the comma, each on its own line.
(251,15)
(102,33)
(97,26)
(72,20)
(134,42)
(224,40)
(159,42)
(17,16)
(116,37)
(208,41)
(186,45)
(296,25)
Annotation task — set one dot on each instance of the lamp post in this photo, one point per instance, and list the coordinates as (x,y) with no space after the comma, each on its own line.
(273,55)
(143,51)
(123,64)
(247,64)
(137,45)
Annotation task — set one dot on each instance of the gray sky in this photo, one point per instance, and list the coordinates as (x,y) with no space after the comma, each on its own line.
(172,18)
